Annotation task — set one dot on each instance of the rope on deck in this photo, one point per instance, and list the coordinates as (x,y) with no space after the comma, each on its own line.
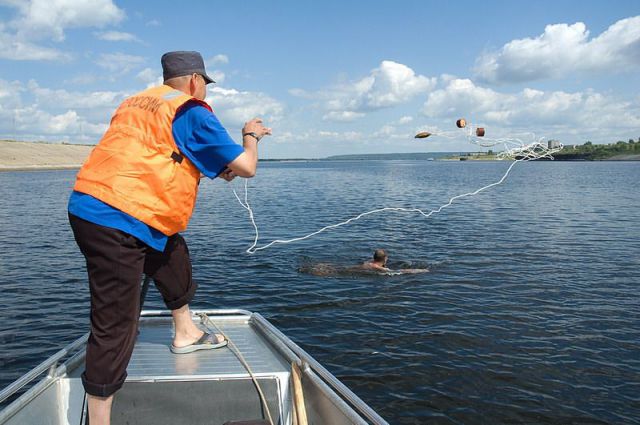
(208,323)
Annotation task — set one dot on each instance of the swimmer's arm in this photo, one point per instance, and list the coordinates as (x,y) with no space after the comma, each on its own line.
(373,266)
(414,271)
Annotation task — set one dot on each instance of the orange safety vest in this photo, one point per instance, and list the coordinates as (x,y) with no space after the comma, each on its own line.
(137,167)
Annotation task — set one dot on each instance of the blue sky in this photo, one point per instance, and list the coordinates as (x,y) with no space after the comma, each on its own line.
(333,77)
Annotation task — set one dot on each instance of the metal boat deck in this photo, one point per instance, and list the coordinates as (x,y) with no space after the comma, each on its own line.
(152,358)
(203,387)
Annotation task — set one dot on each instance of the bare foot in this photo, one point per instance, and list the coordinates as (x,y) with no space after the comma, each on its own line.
(186,331)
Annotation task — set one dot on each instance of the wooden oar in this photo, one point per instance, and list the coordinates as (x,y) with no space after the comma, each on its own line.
(300,413)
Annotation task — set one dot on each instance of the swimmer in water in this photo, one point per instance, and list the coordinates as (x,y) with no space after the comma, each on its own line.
(379,264)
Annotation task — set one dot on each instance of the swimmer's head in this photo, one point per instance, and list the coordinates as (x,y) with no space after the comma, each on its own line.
(380,256)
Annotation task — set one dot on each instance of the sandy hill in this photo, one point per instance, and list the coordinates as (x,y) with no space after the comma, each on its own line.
(37,155)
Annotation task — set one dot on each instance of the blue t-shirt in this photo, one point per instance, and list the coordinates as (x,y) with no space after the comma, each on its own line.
(201,138)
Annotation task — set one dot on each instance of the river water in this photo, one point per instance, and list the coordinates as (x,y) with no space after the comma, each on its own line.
(530,314)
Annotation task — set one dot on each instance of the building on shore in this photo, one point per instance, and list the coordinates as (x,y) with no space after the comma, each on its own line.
(554,144)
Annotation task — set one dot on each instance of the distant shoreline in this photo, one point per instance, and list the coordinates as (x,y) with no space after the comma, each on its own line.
(42,156)
(616,158)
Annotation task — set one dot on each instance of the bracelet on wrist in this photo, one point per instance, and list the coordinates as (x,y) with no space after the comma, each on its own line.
(252,134)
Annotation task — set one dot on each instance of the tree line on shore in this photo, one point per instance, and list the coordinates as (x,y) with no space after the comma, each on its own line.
(590,151)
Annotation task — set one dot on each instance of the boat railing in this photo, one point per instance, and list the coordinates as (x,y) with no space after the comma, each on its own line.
(50,365)
(329,384)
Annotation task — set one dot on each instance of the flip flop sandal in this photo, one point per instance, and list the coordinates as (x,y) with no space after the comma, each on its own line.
(206,342)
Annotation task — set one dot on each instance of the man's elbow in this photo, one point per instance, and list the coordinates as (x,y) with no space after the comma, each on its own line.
(244,166)
(247,172)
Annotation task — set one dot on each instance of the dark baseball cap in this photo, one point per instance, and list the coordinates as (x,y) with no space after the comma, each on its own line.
(177,64)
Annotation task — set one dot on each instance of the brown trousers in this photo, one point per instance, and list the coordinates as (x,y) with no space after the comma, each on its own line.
(115,264)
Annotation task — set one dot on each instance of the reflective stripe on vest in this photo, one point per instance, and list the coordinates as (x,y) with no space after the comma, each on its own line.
(137,166)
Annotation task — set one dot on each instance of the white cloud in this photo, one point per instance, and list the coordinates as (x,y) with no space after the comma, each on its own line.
(82,79)
(53,99)
(37,20)
(312,142)
(10,94)
(562,50)
(397,130)
(385,131)
(119,63)
(395,83)
(150,77)
(30,112)
(50,18)
(217,60)
(298,92)
(462,96)
(32,122)
(61,123)
(13,48)
(236,107)
(116,36)
(584,113)
(388,85)
(218,76)
(341,136)
(342,116)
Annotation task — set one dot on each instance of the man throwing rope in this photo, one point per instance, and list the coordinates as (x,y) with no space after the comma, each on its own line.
(132,197)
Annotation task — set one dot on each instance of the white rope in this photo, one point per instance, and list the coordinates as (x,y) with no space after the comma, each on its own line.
(518,153)
(235,350)
(246,206)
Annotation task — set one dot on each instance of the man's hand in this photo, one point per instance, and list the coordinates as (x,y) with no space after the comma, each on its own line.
(256,126)
(228,175)
(246,163)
